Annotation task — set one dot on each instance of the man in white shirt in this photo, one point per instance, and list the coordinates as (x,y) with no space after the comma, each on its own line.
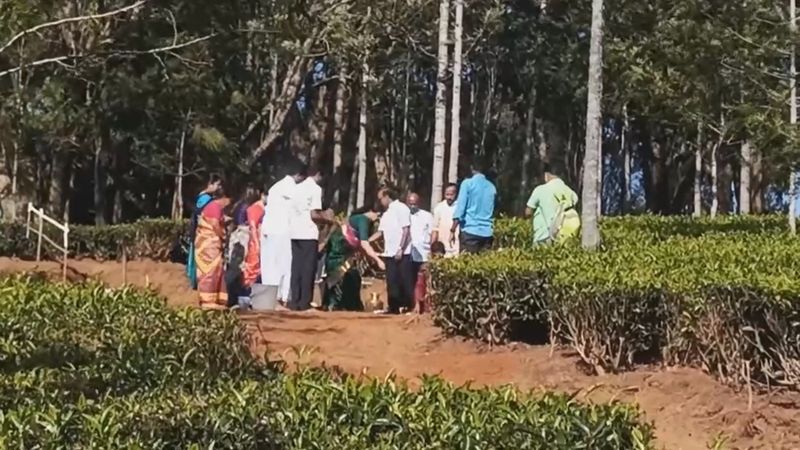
(443,220)
(421,232)
(395,227)
(276,242)
(307,212)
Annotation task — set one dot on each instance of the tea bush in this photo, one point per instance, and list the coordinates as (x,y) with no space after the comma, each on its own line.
(86,367)
(726,300)
(149,238)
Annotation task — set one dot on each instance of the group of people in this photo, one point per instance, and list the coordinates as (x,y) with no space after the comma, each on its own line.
(271,247)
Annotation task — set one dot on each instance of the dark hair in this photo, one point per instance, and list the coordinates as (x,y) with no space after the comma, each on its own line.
(250,194)
(215,178)
(451,185)
(296,167)
(437,248)
(390,192)
(478,164)
(365,209)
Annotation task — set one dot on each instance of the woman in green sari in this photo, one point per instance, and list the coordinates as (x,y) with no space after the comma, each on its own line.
(342,286)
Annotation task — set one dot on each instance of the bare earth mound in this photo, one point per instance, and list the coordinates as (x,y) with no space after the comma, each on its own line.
(688,407)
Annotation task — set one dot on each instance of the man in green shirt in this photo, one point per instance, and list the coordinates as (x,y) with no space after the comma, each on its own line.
(552,205)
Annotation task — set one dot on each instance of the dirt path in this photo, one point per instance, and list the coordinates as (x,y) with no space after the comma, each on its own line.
(688,408)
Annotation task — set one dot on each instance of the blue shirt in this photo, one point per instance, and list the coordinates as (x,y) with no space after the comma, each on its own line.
(475,206)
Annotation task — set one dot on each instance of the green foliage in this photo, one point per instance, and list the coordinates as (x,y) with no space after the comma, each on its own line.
(86,367)
(148,238)
(721,295)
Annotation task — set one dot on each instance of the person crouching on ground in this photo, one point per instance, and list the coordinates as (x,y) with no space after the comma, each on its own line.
(348,239)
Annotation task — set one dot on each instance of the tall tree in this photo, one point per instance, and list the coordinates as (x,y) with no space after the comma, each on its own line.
(590,231)
(455,110)
(793,116)
(362,138)
(440,127)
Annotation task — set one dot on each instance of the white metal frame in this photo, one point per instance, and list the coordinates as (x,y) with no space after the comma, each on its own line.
(40,235)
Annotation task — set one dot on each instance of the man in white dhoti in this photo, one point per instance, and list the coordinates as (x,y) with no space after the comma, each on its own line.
(276,241)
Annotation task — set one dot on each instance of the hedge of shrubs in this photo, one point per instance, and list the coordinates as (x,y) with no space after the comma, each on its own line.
(157,239)
(160,239)
(720,295)
(86,367)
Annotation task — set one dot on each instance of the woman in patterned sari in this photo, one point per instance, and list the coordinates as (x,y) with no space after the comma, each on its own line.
(342,288)
(210,255)
(213,188)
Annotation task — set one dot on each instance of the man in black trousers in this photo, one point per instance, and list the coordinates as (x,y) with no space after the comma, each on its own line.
(306,214)
(395,227)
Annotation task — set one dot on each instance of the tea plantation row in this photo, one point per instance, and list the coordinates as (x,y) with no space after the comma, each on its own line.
(724,296)
(157,238)
(86,367)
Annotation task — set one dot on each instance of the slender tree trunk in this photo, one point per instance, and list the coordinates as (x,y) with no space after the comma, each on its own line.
(362,139)
(338,135)
(527,150)
(714,182)
(455,111)
(351,197)
(698,172)
(102,145)
(273,86)
(15,168)
(793,116)
(487,112)
(404,149)
(177,201)
(590,232)
(744,178)
(600,163)
(439,138)
(59,182)
(626,159)
(70,190)
(757,184)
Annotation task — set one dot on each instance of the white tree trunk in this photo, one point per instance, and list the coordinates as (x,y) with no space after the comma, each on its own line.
(455,110)
(744,178)
(590,232)
(625,144)
(338,135)
(600,172)
(439,138)
(714,182)
(793,116)
(698,173)
(362,140)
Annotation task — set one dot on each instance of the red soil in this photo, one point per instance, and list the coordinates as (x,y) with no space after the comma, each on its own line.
(689,409)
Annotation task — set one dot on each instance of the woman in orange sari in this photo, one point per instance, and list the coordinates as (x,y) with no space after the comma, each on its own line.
(210,255)
(252,262)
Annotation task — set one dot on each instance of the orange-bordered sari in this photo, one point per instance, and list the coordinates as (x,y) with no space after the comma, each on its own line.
(252,262)
(209,255)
